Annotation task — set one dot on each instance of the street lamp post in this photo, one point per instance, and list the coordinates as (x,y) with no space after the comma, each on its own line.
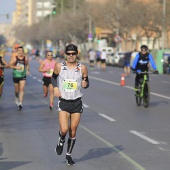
(74,7)
(163,23)
(6,15)
(61,7)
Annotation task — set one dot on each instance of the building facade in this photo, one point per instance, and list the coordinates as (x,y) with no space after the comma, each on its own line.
(29,12)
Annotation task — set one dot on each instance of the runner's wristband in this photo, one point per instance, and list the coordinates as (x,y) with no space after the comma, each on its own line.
(54,79)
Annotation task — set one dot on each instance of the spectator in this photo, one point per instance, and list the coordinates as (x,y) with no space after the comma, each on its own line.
(127,58)
(168,64)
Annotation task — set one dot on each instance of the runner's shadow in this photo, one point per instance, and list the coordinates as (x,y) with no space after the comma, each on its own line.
(1,152)
(6,165)
(11,165)
(99,152)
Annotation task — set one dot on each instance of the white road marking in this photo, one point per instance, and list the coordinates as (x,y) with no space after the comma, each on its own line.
(34,77)
(86,106)
(107,117)
(144,137)
(40,80)
(166,82)
(95,72)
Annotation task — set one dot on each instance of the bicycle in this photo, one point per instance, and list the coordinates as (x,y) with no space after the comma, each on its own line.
(143,90)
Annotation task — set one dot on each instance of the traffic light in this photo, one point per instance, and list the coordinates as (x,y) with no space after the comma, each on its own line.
(54,11)
(7,16)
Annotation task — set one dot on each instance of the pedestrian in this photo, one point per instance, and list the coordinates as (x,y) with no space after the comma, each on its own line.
(72,75)
(20,67)
(37,54)
(47,68)
(14,51)
(3,64)
(92,58)
(98,60)
(127,58)
(168,61)
(103,56)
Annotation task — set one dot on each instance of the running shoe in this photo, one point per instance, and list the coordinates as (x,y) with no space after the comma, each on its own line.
(51,106)
(69,160)
(45,94)
(19,107)
(59,148)
(17,101)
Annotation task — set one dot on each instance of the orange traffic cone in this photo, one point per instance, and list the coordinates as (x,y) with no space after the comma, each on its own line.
(122,81)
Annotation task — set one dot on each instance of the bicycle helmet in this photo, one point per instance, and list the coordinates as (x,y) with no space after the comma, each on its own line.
(144,47)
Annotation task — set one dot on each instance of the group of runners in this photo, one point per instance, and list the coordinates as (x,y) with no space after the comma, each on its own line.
(64,80)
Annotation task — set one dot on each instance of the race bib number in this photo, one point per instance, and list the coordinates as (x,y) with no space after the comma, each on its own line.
(49,73)
(70,85)
(22,67)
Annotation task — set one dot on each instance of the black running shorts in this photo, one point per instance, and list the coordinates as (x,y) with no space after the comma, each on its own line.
(103,61)
(70,106)
(17,80)
(1,80)
(46,81)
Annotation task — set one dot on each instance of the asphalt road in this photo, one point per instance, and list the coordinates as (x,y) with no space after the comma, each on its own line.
(114,133)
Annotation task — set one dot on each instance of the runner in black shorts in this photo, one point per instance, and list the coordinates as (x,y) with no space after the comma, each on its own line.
(20,67)
(72,75)
(3,64)
(47,68)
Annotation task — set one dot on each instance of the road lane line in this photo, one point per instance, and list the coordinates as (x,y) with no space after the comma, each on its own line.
(36,96)
(166,82)
(40,80)
(107,117)
(86,106)
(139,167)
(129,87)
(34,77)
(144,137)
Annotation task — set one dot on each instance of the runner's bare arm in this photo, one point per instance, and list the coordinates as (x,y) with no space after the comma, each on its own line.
(27,66)
(41,69)
(56,72)
(85,80)
(4,62)
(12,62)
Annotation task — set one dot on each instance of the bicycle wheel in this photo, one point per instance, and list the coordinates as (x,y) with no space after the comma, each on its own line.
(138,98)
(146,95)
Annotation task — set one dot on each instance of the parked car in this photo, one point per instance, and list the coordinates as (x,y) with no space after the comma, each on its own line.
(165,63)
(110,52)
(118,59)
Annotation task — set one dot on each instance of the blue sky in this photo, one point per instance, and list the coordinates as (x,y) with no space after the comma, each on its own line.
(6,6)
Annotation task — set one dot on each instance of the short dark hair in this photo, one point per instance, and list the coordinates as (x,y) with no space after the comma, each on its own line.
(71,47)
(20,47)
(144,47)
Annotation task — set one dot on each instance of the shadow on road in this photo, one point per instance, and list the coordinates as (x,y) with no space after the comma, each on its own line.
(99,152)
(154,104)
(11,164)
(7,165)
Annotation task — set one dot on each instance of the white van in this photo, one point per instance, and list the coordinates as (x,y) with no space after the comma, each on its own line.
(110,52)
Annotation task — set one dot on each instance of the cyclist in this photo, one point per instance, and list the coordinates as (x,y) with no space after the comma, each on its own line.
(141,64)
